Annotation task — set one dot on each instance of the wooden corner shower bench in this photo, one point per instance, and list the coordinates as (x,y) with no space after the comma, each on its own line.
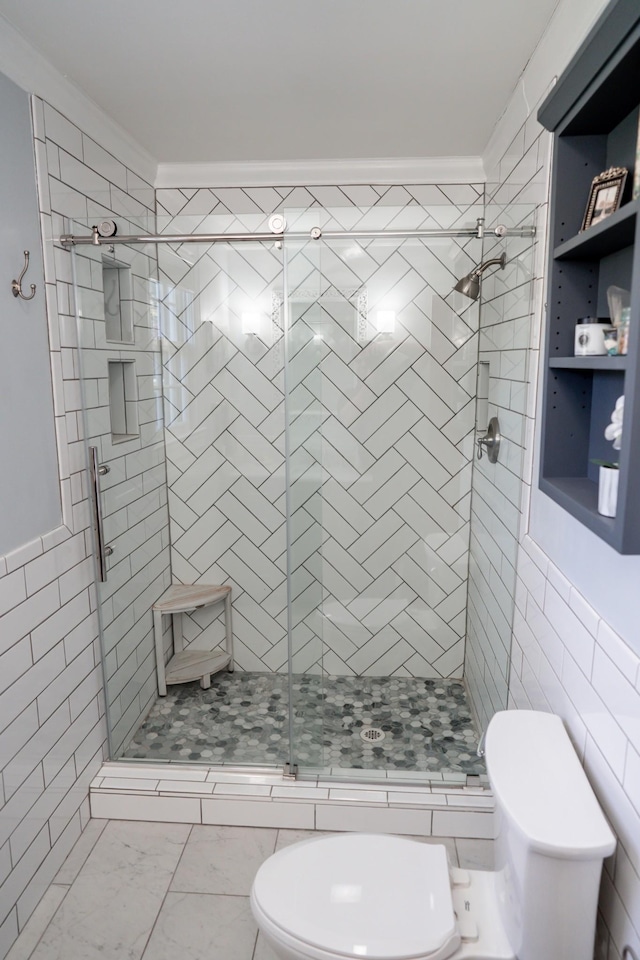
(185,664)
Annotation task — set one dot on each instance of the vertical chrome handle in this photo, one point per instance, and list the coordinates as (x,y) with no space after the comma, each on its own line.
(102,551)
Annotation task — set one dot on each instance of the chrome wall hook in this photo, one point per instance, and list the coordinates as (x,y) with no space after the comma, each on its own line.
(16,285)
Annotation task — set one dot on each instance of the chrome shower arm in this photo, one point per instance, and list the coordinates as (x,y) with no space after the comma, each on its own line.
(497,261)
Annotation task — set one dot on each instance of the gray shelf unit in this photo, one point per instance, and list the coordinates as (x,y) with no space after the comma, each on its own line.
(593,113)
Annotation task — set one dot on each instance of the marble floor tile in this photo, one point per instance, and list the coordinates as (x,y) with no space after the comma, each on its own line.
(112,905)
(475,854)
(78,855)
(37,923)
(201,926)
(287,837)
(263,951)
(223,860)
(123,905)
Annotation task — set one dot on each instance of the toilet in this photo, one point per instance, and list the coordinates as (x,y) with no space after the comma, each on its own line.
(391,898)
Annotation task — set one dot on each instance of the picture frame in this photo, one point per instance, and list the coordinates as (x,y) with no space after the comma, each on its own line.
(636,170)
(604,196)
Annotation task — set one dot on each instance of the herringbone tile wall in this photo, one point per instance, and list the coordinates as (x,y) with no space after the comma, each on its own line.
(380,424)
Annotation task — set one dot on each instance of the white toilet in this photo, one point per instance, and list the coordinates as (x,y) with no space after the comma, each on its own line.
(390,898)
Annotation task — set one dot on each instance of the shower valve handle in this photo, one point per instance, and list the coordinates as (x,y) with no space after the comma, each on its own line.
(483,442)
(491,441)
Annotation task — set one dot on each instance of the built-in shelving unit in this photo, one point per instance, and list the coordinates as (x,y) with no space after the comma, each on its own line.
(593,112)
(613,234)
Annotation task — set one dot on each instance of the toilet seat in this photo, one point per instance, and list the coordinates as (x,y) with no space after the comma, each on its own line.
(358,895)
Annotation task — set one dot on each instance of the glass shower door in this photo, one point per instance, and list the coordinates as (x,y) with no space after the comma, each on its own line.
(385,371)
(121,418)
(304,350)
(221,318)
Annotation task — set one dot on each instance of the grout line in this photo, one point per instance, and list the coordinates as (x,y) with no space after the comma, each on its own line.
(166,893)
(66,888)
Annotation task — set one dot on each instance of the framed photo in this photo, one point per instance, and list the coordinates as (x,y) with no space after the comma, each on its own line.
(636,169)
(605,196)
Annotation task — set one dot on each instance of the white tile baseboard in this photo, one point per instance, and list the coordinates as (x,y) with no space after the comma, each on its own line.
(267,799)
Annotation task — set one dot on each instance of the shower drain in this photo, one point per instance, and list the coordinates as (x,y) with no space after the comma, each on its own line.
(371,734)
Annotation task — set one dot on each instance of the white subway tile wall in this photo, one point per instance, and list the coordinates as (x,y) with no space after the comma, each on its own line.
(381,425)
(516,197)
(134,498)
(52,726)
(591,678)
(564,657)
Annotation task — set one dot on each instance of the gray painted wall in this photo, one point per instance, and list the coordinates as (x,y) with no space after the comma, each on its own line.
(29,490)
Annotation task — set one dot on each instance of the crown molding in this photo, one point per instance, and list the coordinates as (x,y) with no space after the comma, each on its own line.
(321,172)
(27,67)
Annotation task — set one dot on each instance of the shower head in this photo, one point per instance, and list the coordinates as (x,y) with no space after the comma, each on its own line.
(470,285)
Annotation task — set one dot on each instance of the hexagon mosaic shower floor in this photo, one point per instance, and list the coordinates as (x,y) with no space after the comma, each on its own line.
(243,719)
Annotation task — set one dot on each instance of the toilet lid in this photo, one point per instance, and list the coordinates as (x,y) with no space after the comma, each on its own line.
(359,895)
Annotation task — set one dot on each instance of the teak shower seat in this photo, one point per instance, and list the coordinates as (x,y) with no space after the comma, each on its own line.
(187,665)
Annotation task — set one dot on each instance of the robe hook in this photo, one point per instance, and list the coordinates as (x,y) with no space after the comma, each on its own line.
(16,285)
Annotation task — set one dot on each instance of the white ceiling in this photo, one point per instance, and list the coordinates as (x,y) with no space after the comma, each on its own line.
(276,80)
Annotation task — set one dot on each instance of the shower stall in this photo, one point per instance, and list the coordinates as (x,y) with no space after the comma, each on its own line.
(291,407)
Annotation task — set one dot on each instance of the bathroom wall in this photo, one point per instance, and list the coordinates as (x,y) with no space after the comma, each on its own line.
(389,420)
(134,490)
(24,328)
(506,332)
(52,726)
(575,640)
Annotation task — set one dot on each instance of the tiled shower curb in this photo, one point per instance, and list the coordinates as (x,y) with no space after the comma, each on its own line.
(183,794)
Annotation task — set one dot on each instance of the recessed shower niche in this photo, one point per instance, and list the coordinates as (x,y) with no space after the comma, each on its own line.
(118,301)
(123,400)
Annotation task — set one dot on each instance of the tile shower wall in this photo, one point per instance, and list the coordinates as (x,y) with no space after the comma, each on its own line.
(505,333)
(508,344)
(52,723)
(384,523)
(565,657)
(134,492)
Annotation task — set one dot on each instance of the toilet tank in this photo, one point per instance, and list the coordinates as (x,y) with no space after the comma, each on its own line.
(551,837)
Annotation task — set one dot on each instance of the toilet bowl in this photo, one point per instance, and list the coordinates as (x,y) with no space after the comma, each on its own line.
(374,896)
(392,898)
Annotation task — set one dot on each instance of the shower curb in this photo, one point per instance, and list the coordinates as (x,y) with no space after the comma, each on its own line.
(209,795)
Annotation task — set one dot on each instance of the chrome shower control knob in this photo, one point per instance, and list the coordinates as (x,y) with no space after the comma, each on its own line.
(491,441)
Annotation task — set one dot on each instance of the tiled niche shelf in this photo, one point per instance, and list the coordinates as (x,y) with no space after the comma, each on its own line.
(123,400)
(118,301)
(593,112)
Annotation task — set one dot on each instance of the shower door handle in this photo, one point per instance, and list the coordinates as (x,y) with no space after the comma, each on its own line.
(97,470)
